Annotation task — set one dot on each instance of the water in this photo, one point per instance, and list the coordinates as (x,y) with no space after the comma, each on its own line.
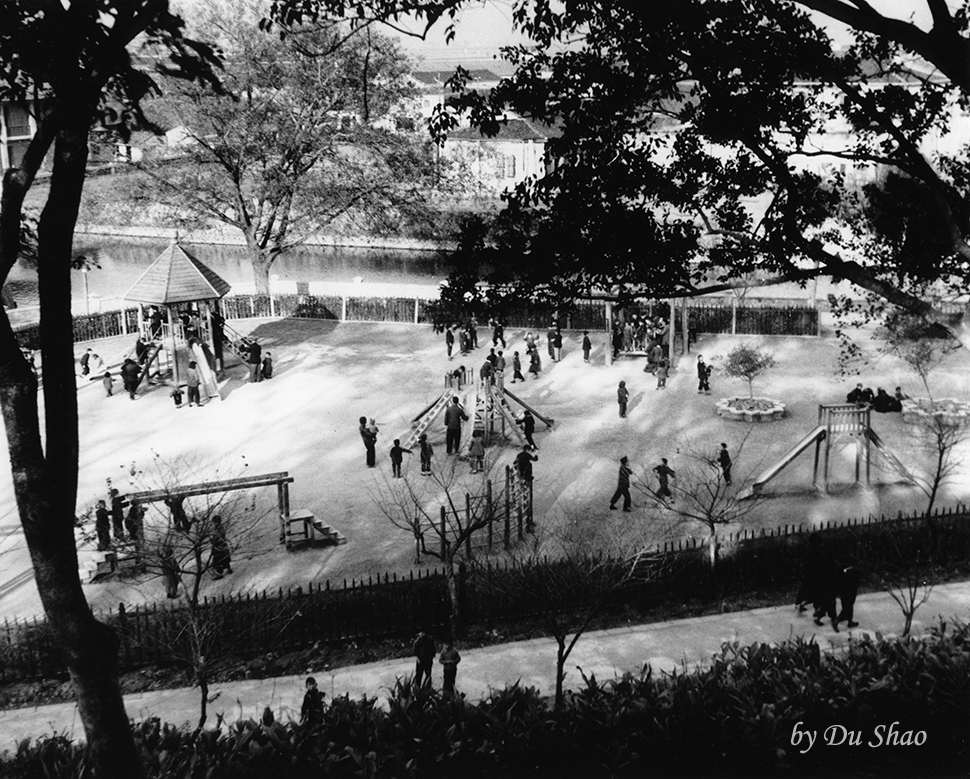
(124,260)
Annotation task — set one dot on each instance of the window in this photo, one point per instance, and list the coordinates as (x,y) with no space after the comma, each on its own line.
(17,121)
(508,163)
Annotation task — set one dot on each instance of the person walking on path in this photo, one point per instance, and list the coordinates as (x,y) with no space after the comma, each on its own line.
(664,473)
(703,375)
(449,660)
(129,377)
(192,382)
(587,345)
(498,334)
(102,526)
(221,558)
(724,460)
(426,452)
(528,423)
(557,346)
(535,364)
(516,368)
(812,566)
(86,362)
(454,416)
(848,586)
(523,463)
(662,373)
(370,442)
(826,591)
(449,342)
(397,458)
(623,486)
(424,650)
(267,370)
(108,383)
(255,360)
(622,398)
(550,343)
(311,713)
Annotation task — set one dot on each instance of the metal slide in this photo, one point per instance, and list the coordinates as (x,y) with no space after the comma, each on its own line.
(209,385)
(817,434)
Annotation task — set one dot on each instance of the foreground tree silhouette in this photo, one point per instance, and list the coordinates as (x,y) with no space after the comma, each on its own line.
(76,56)
(703,140)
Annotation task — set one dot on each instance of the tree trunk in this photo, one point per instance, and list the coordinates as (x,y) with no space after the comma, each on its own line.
(261,261)
(560,669)
(455,616)
(45,476)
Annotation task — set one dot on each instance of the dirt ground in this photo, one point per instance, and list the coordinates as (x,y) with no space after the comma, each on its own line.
(304,421)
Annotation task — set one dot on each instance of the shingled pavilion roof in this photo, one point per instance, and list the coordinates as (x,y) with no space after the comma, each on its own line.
(177,277)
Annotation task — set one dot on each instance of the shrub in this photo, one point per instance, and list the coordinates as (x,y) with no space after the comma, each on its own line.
(746,362)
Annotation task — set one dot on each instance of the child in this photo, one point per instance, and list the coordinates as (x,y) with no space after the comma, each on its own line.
(108,383)
(312,711)
(662,373)
(426,452)
(476,452)
(397,457)
(177,397)
(267,369)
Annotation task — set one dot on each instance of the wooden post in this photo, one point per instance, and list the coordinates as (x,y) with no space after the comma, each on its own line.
(508,507)
(530,522)
(609,332)
(343,309)
(442,533)
(488,512)
(468,523)
(734,316)
(672,326)
(174,355)
(684,346)
(416,309)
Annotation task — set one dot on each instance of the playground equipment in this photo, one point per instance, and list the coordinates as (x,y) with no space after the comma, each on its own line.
(842,425)
(181,283)
(485,401)
(298,529)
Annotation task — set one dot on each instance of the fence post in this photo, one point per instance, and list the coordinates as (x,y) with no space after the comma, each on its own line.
(734,316)
(272,304)
(468,519)
(508,507)
(343,309)
(124,321)
(442,530)
(529,523)
(416,305)
(488,512)
(252,305)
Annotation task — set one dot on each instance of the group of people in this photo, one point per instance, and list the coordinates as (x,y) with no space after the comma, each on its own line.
(881,402)
(823,581)
(638,333)
(126,528)
(722,461)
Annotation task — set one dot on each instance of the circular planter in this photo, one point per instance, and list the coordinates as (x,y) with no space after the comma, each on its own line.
(949,411)
(750,409)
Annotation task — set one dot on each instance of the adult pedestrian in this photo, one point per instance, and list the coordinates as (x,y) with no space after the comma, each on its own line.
(86,363)
(500,363)
(623,486)
(516,368)
(616,340)
(454,416)
(812,566)
(141,350)
(826,592)
(587,345)
(171,570)
(102,526)
(473,332)
(664,474)
(535,364)
(117,514)
(221,556)
(255,360)
(550,342)
(528,423)
(180,520)
(135,523)
(622,398)
(486,372)
(557,345)
(449,660)
(154,323)
(311,712)
(449,342)
(129,376)
(192,382)
(369,438)
(523,463)
(498,334)
(724,460)
(424,650)
(397,458)
(848,586)
(426,453)
(702,375)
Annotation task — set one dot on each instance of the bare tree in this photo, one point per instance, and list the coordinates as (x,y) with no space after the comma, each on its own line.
(440,508)
(701,495)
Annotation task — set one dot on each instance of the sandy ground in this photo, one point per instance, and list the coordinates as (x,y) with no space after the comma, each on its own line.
(304,421)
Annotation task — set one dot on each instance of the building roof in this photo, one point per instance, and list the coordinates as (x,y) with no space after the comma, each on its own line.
(510,130)
(437,78)
(177,277)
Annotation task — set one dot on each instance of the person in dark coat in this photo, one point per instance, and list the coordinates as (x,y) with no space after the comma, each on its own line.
(535,364)
(117,515)
(155,323)
(180,520)
(170,570)
(848,587)
(454,416)
(141,350)
(724,460)
(449,341)
(255,360)
(129,376)
(623,486)
(135,523)
(424,650)
(516,368)
(192,382)
(528,423)
(702,375)
(523,463)
(108,383)
(587,345)
(426,453)
(557,345)
(221,556)
(498,334)
(370,442)
(102,526)
(812,566)
(86,363)
(218,336)
(622,398)
(397,458)
(664,472)
(267,369)
(883,403)
(449,659)
(551,343)
(826,591)
(311,713)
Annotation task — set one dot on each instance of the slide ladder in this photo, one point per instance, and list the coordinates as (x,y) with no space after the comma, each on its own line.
(154,347)
(232,340)
(894,462)
(425,421)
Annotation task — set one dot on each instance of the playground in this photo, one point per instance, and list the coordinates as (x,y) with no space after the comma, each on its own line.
(304,422)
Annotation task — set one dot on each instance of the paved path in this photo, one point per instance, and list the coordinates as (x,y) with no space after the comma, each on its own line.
(667,646)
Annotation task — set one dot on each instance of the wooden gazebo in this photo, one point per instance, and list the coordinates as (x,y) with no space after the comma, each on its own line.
(177,279)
